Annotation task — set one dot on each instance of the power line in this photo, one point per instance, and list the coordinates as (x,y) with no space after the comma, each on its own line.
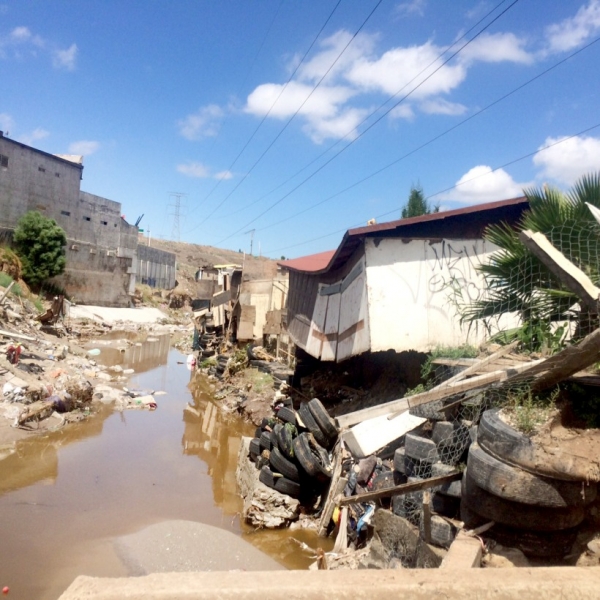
(248,71)
(348,133)
(433,139)
(305,180)
(253,134)
(456,185)
(297,111)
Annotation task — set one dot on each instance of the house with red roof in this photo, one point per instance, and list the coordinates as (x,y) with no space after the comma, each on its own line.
(394,286)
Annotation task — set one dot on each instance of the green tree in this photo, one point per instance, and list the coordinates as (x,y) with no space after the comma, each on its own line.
(417,205)
(517,282)
(40,243)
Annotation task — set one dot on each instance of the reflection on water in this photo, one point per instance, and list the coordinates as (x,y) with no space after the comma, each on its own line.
(215,437)
(64,496)
(140,352)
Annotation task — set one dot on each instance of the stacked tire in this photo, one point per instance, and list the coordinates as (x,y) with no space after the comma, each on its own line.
(291,449)
(432,454)
(536,513)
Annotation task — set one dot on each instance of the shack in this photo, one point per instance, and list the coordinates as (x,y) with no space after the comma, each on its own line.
(395,285)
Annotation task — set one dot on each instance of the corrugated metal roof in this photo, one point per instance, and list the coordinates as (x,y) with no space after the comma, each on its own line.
(312,262)
(461,222)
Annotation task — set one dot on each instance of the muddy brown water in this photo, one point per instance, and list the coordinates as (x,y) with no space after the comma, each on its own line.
(66,496)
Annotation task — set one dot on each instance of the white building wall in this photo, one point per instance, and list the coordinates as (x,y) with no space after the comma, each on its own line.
(410,288)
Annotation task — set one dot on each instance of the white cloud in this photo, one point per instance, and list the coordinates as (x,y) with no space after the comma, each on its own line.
(497,47)
(20,34)
(401,66)
(194,169)
(362,77)
(574,31)
(224,175)
(335,48)
(570,159)
(411,7)
(84,147)
(481,184)
(203,123)
(439,106)
(65,59)
(7,123)
(34,136)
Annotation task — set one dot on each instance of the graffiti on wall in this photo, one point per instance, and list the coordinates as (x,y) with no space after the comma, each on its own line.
(454,271)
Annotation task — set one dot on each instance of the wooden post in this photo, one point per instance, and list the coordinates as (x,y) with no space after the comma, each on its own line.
(6,291)
(399,490)
(427,516)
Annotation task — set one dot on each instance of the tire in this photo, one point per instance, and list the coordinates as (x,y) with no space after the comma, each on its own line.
(255,448)
(512,447)
(324,421)
(448,506)
(287,415)
(452,489)
(266,476)
(312,457)
(512,483)
(285,440)
(516,515)
(434,411)
(420,448)
(399,460)
(258,432)
(308,421)
(265,440)
(442,532)
(282,465)
(275,431)
(286,486)
(250,352)
(531,543)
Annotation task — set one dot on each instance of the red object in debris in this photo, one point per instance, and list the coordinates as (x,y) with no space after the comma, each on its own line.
(5,590)
(13,354)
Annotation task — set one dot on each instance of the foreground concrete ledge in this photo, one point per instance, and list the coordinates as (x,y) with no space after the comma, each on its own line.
(575,583)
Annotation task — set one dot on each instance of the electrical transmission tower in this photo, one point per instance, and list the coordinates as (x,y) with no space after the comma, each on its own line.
(251,232)
(176,206)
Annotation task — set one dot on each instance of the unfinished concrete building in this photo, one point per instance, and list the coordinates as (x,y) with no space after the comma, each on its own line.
(102,248)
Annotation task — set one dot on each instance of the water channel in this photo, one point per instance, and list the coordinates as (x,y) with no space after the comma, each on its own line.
(66,496)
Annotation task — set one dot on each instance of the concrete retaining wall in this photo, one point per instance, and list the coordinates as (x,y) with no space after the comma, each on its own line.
(552,583)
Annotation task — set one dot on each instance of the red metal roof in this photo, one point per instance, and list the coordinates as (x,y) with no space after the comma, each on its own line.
(461,222)
(312,262)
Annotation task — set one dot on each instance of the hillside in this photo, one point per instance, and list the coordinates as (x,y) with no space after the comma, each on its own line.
(190,257)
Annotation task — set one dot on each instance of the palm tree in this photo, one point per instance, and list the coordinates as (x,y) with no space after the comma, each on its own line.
(517,282)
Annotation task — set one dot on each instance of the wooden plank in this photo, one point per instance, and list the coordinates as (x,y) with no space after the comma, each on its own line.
(480,363)
(334,491)
(572,277)
(548,373)
(6,291)
(17,335)
(465,386)
(399,490)
(358,416)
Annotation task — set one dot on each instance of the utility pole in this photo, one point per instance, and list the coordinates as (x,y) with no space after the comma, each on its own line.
(251,232)
(175,233)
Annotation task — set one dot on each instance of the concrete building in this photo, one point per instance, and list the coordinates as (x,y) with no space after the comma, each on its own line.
(392,286)
(102,248)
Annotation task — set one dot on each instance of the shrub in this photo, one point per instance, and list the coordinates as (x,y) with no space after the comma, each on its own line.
(40,245)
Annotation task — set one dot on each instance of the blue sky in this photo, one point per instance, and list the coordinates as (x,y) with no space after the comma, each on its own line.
(300,119)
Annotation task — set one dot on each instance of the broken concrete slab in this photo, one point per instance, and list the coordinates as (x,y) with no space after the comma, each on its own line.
(373,434)
(464,553)
(263,506)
